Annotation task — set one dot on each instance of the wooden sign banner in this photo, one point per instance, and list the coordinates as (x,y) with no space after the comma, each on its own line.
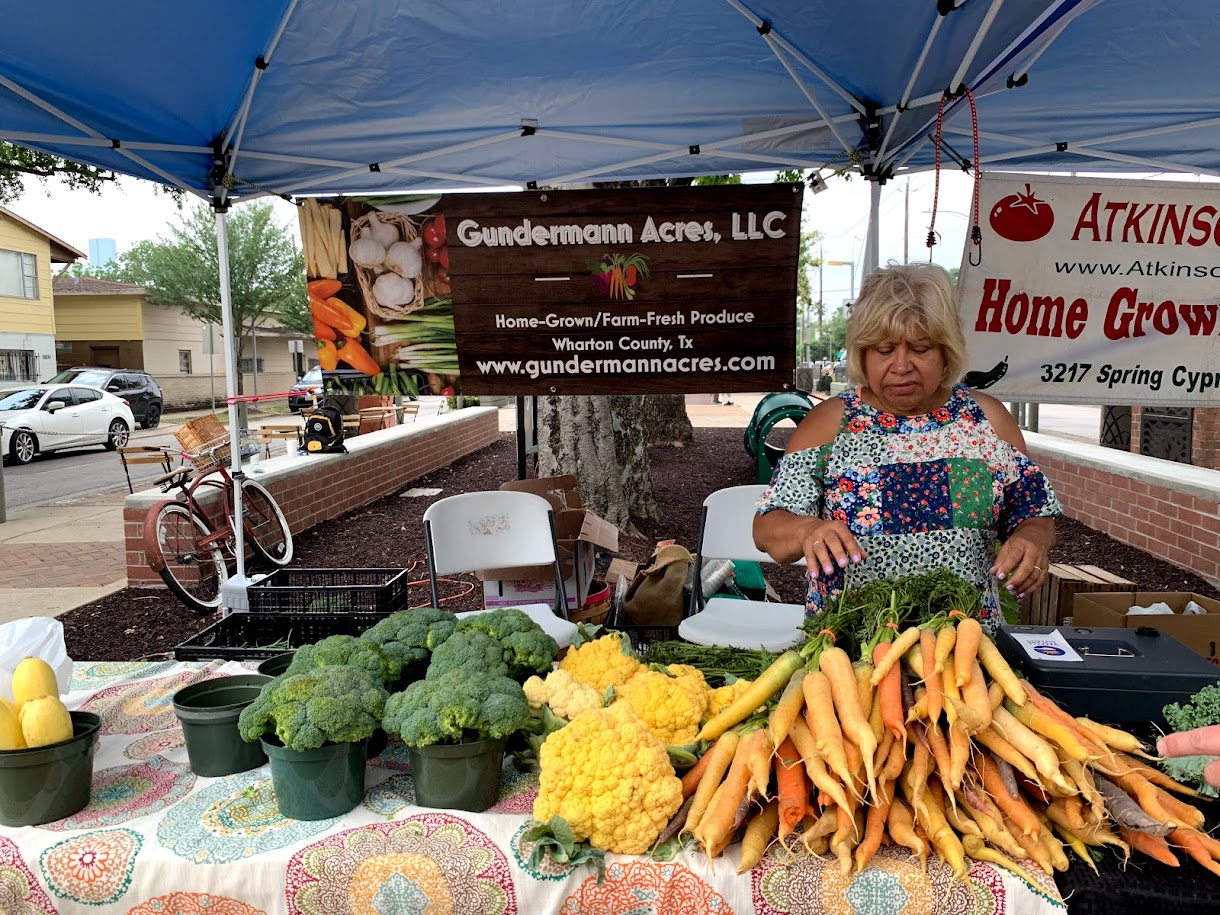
(625,291)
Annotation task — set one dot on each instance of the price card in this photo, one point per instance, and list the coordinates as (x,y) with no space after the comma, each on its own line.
(1049,646)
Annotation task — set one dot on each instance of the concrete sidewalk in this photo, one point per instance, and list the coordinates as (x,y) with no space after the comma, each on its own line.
(56,557)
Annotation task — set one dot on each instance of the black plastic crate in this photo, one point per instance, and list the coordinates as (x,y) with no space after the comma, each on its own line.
(381,591)
(643,636)
(242,636)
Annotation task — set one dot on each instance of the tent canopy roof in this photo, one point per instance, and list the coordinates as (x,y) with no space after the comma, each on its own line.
(309,96)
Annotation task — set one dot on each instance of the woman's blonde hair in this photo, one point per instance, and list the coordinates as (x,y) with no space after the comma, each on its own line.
(904,301)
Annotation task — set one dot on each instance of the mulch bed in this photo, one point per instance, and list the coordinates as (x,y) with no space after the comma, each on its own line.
(388,533)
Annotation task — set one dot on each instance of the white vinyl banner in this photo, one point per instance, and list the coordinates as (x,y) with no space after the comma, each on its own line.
(1094,290)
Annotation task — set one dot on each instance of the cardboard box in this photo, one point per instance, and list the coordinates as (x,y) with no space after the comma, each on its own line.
(1199,632)
(579,533)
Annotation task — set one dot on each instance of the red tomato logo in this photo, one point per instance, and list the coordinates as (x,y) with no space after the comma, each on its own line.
(1022,217)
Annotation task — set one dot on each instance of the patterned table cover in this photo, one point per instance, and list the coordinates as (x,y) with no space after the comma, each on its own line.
(156,839)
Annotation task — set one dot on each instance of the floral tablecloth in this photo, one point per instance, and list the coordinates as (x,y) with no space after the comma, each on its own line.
(156,839)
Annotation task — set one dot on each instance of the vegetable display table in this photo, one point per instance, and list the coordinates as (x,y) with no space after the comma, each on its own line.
(155,838)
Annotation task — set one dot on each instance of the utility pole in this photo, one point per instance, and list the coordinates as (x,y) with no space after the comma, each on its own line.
(821,303)
(906,222)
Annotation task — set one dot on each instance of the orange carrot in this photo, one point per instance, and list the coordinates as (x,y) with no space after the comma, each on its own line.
(1154,847)
(791,786)
(931,678)
(890,691)
(815,765)
(1182,812)
(874,829)
(1188,841)
(965,652)
(692,776)
(1014,808)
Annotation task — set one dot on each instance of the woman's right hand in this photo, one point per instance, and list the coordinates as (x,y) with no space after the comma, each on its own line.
(827,544)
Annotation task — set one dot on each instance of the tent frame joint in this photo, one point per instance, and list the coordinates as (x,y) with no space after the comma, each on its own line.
(763,28)
(1016,82)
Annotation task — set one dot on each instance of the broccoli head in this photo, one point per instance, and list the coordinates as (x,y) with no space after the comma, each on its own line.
(457,706)
(471,650)
(335,704)
(349,651)
(412,635)
(528,649)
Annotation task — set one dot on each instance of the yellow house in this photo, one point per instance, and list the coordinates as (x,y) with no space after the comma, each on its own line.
(105,323)
(27,306)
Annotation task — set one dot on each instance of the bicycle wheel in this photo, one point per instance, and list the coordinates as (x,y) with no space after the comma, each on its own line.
(265,526)
(193,573)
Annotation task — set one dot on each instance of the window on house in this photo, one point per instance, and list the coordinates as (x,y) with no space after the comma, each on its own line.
(184,361)
(18,274)
(247,365)
(18,365)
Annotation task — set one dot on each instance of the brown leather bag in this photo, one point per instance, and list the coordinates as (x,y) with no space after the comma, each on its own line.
(655,597)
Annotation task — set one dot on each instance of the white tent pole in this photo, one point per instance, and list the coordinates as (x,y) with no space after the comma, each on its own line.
(906,93)
(230,338)
(975,44)
(807,92)
(873,241)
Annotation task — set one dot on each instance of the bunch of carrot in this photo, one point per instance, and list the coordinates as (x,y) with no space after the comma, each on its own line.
(927,740)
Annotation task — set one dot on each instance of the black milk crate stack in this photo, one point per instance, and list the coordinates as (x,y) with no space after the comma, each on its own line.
(256,636)
(643,636)
(381,591)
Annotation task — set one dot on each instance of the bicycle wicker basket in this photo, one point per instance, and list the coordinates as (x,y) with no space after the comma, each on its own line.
(206,441)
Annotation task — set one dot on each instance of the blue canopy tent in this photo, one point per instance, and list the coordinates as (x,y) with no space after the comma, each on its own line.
(240,99)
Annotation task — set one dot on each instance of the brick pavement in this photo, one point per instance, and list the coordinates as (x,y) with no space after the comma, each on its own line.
(61,565)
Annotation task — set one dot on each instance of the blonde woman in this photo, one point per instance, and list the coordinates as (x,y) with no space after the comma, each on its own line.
(908,469)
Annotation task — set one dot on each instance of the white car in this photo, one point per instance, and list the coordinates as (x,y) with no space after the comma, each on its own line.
(49,417)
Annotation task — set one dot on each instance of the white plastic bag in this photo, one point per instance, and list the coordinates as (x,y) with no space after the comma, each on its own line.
(38,637)
(1160,608)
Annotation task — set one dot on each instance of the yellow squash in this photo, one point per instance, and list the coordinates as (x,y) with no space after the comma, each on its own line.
(33,678)
(10,730)
(45,720)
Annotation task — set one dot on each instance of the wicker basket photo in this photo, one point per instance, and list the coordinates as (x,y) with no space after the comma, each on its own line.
(366,276)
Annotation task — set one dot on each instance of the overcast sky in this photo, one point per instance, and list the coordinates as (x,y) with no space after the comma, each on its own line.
(132,210)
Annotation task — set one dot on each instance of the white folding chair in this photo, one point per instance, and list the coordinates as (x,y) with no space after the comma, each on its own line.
(498,529)
(726,533)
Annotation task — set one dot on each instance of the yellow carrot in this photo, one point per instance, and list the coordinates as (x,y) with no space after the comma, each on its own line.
(1041,723)
(902,830)
(824,725)
(759,833)
(1076,844)
(959,754)
(931,675)
(974,847)
(815,765)
(788,708)
(974,694)
(838,670)
(759,761)
(720,756)
(864,672)
(898,648)
(1027,743)
(770,682)
(993,662)
(720,818)
(946,638)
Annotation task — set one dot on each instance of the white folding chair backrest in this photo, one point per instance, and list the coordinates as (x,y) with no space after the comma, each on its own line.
(727,526)
(491,530)
(726,532)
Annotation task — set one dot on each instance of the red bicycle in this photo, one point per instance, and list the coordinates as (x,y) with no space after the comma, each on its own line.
(189,545)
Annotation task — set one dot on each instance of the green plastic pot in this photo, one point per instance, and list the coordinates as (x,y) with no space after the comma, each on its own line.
(48,783)
(209,711)
(317,784)
(276,665)
(463,776)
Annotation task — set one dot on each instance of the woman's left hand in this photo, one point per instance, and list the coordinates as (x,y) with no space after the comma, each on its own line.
(1024,559)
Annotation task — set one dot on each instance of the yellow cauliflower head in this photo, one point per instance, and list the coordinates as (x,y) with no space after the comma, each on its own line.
(670,707)
(566,695)
(601,662)
(610,778)
(692,679)
(722,698)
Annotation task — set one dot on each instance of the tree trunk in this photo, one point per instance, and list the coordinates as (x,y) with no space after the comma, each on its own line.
(600,441)
(665,420)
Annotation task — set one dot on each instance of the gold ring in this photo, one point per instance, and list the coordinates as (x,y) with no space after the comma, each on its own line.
(1039,568)
(816,542)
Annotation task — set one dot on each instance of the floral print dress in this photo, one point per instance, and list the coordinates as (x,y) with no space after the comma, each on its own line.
(917,492)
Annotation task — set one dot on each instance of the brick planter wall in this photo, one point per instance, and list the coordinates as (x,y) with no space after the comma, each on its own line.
(314,489)
(1166,509)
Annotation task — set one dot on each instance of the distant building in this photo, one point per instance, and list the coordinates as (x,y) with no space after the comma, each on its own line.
(101,251)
